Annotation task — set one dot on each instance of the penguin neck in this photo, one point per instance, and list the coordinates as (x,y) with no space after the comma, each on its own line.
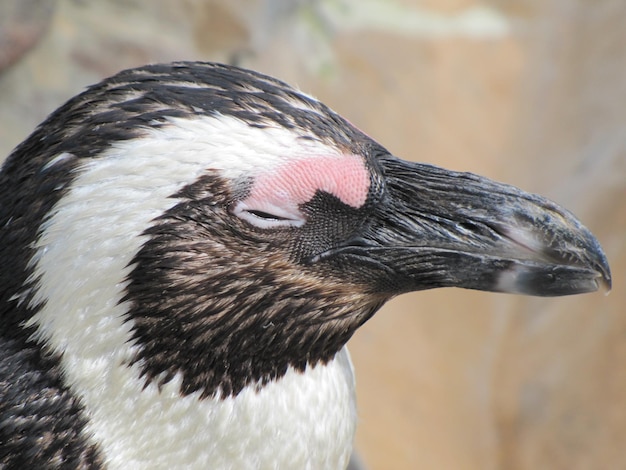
(304,419)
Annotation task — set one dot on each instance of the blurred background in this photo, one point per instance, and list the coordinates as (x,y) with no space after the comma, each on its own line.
(530,92)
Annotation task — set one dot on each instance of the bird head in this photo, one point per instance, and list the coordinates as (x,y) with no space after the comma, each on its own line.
(241,227)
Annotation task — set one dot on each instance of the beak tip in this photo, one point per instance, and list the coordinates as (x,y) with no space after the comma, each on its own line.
(550,280)
(605,278)
(598,262)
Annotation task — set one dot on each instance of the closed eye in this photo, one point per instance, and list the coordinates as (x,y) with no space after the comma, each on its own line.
(265,215)
(269,216)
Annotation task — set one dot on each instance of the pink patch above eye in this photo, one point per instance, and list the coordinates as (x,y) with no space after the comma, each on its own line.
(295,183)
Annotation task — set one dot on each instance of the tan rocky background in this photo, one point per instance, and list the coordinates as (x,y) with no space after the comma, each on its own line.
(531,92)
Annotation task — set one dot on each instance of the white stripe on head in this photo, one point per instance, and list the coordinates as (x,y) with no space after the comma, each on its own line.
(234,147)
(81,265)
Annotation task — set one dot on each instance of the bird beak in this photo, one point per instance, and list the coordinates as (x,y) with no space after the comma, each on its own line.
(438,228)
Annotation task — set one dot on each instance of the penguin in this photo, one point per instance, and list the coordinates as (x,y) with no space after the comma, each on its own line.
(187,248)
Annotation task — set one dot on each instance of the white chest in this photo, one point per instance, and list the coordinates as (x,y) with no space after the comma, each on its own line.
(302,421)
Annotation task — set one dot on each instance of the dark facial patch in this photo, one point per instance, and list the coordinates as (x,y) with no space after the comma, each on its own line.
(228,304)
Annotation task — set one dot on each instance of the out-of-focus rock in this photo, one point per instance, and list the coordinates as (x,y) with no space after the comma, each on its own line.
(22,23)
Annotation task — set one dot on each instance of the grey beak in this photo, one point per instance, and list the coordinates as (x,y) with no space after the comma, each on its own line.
(438,228)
